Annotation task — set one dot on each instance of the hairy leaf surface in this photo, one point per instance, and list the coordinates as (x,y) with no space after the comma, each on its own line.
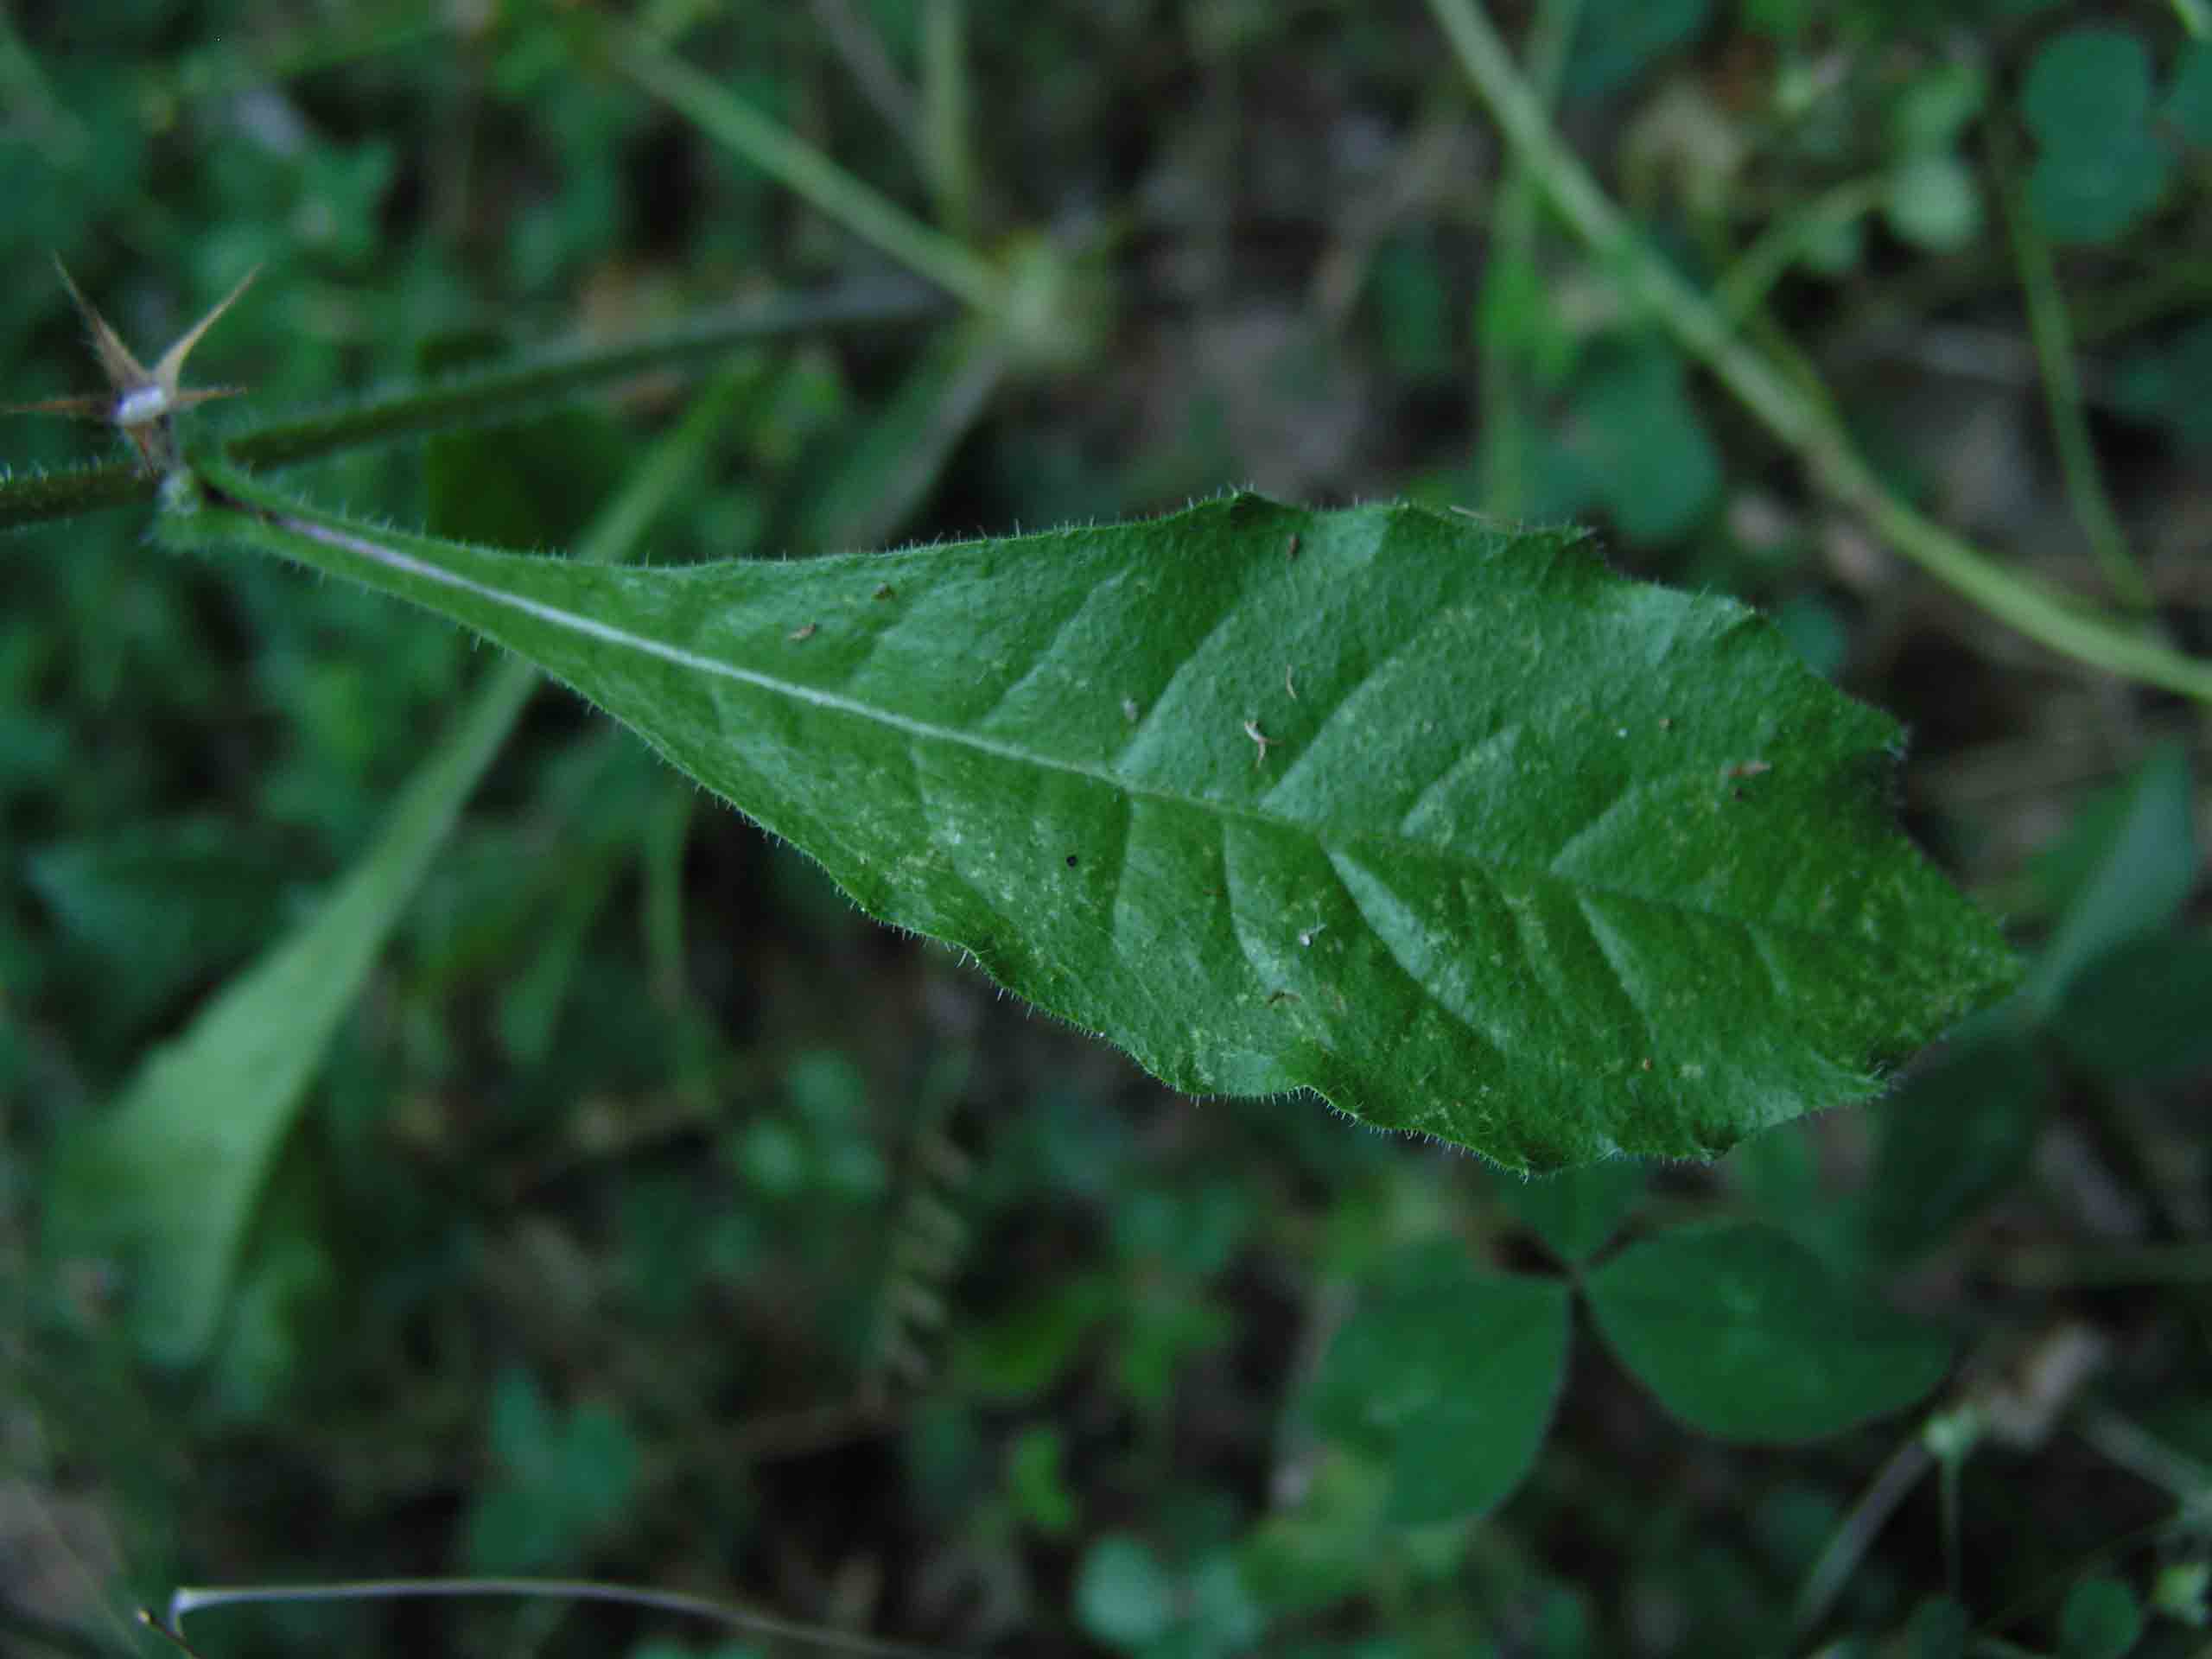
(1445,822)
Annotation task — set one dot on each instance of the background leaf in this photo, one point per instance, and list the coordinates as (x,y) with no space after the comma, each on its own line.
(1447,1376)
(1957,1134)
(166,1183)
(1450,825)
(1123,1596)
(2137,1013)
(1742,1334)
(2101,1619)
(2087,97)
(1577,1210)
(2124,871)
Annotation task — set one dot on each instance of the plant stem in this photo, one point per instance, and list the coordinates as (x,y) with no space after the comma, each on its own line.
(1745,285)
(2143,1454)
(1856,1534)
(1513,252)
(947,158)
(192,1599)
(928,253)
(2045,615)
(896,460)
(500,391)
(36,497)
(2188,1262)
(506,389)
(852,39)
(2062,381)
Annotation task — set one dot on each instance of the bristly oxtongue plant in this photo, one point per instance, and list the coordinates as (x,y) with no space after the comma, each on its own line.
(1440,820)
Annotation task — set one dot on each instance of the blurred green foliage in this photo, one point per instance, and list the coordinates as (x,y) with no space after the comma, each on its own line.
(651,1216)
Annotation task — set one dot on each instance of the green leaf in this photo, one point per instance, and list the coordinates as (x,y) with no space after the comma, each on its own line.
(2127,869)
(1577,1210)
(1619,39)
(1448,1376)
(2137,1013)
(1744,1335)
(1037,1480)
(1935,108)
(2084,84)
(2188,102)
(166,1183)
(1636,428)
(158,905)
(2087,97)
(1933,203)
(1447,824)
(1957,1135)
(1303,1559)
(2171,382)
(1938,1629)
(2101,1619)
(563,1480)
(1123,1596)
(2097,195)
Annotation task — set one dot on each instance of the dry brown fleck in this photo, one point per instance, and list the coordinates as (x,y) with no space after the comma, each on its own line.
(1252,730)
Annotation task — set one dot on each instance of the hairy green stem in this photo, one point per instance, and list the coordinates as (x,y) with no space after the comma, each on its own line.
(506,389)
(2062,383)
(2042,613)
(499,392)
(873,217)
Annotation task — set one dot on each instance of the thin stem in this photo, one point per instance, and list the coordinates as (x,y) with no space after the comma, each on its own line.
(2104,1555)
(852,39)
(503,391)
(891,467)
(948,158)
(225,72)
(928,253)
(1743,287)
(2062,381)
(197,1598)
(2144,1455)
(2184,1263)
(1856,1534)
(1948,1471)
(1513,246)
(499,392)
(37,498)
(2043,613)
